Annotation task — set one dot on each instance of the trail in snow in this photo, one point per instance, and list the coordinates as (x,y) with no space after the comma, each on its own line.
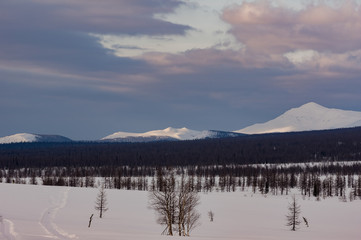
(48,216)
(7,229)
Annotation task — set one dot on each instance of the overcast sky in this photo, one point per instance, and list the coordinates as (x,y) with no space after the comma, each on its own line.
(87,68)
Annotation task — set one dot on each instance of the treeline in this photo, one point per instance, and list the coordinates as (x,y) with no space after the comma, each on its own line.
(330,145)
(318,180)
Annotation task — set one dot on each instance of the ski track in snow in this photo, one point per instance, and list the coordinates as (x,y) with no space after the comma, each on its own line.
(7,228)
(48,216)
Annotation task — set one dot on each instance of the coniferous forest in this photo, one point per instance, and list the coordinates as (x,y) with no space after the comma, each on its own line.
(300,147)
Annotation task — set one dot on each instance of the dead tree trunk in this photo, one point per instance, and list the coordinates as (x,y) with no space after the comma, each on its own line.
(90,220)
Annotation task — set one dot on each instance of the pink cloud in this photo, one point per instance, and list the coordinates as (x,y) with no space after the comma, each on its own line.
(330,36)
(190,61)
(268,29)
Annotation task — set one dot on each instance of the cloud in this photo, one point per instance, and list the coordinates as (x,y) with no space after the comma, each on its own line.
(314,38)
(51,38)
(206,30)
(68,58)
(265,28)
(56,77)
(111,16)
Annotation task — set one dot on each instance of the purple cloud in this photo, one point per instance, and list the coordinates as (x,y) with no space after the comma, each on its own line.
(56,78)
(268,29)
(105,17)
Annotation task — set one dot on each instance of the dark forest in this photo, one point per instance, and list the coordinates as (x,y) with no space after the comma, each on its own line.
(300,147)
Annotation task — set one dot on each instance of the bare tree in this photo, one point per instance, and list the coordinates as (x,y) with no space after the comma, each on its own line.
(305,220)
(293,214)
(188,217)
(184,189)
(192,216)
(175,206)
(163,202)
(90,220)
(211,215)
(101,201)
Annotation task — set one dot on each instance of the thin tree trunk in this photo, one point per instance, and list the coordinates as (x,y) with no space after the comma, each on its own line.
(90,220)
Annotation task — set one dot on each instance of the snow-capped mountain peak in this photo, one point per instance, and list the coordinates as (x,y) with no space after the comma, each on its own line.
(307,109)
(310,116)
(168,133)
(28,137)
(20,137)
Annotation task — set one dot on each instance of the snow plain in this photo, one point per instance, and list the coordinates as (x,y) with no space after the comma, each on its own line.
(45,212)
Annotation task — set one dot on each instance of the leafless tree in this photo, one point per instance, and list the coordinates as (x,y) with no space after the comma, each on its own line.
(163,202)
(188,217)
(211,215)
(192,216)
(306,221)
(90,220)
(175,206)
(293,214)
(184,189)
(101,201)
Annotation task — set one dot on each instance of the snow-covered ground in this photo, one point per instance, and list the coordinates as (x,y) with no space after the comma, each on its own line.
(31,212)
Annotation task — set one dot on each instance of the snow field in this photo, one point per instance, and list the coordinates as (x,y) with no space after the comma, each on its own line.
(41,212)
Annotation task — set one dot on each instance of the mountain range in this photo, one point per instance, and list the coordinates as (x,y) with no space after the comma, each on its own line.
(168,134)
(308,117)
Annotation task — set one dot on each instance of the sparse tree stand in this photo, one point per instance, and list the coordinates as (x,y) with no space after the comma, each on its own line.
(101,201)
(294,211)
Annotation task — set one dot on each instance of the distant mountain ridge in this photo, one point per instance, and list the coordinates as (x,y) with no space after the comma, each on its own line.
(28,137)
(310,116)
(168,134)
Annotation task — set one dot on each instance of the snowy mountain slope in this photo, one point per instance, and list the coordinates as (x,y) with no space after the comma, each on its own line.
(20,137)
(27,137)
(167,134)
(52,138)
(310,116)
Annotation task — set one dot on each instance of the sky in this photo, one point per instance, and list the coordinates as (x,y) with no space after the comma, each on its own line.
(85,69)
